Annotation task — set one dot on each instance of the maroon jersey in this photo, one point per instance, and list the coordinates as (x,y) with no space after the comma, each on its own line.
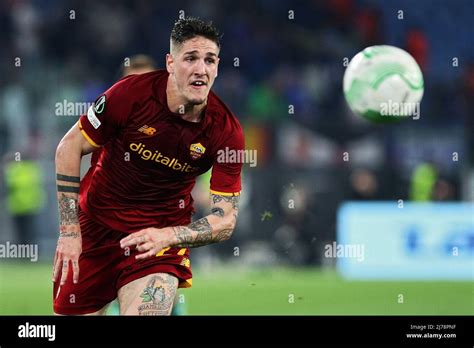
(150,157)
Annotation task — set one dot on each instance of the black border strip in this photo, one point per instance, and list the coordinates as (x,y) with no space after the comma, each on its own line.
(226,330)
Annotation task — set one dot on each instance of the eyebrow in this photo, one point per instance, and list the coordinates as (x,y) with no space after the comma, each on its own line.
(196,51)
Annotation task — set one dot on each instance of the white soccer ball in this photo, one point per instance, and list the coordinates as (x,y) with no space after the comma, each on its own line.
(384,84)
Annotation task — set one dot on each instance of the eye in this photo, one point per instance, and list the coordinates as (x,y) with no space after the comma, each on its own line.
(189,58)
(210,60)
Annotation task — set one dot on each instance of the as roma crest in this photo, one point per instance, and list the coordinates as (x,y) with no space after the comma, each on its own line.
(197,150)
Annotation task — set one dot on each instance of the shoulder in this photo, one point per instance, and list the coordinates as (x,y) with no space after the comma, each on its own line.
(135,87)
(119,101)
(223,119)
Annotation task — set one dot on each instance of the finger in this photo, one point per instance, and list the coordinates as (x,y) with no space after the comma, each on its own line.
(146,255)
(57,267)
(75,270)
(145,246)
(65,271)
(137,241)
(130,240)
(141,239)
(54,264)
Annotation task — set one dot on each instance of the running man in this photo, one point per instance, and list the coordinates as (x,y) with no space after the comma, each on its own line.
(125,229)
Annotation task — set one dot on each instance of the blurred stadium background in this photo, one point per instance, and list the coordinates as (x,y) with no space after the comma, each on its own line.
(410,185)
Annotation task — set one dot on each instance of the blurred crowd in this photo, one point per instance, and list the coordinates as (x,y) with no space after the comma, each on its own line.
(281,73)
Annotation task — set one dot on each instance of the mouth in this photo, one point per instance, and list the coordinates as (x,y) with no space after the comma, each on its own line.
(198,84)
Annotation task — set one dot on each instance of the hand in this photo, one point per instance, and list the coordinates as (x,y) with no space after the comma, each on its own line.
(150,241)
(68,250)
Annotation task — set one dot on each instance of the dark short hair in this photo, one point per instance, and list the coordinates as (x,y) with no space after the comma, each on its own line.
(187,28)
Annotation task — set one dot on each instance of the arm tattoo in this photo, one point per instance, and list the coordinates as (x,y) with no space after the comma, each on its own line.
(68,210)
(228,199)
(199,232)
(68,178)
(72,189)
(217,211)
(69,235)
(223,235)
(203,235)
(204,229)
(201,225)
(183,235)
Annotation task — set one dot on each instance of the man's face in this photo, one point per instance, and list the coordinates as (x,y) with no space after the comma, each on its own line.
(193,66)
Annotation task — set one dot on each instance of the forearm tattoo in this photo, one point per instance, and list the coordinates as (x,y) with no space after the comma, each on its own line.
(68,178)
(223,235)
(71,189)
(199,233)
(196,234)
(68,210)
(69,235)
(68,204)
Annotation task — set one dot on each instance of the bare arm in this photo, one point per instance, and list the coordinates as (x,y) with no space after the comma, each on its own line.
(68,161)
(213,228)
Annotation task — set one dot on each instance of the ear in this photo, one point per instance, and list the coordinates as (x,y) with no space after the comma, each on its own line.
(169,63)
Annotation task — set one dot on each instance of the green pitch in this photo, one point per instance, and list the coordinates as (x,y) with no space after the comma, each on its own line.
(25,288)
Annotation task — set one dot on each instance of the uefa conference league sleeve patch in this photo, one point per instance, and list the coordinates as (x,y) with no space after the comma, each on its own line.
(97,109)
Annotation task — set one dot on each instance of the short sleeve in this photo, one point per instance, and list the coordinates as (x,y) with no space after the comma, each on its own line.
(227,166)
(108,114)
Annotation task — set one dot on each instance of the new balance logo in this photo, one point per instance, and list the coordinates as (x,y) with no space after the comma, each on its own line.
(147,130)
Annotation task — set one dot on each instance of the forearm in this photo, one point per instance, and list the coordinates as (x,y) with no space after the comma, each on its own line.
(68,163)
(213,228)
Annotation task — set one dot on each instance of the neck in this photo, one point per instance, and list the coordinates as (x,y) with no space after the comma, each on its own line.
(188,112)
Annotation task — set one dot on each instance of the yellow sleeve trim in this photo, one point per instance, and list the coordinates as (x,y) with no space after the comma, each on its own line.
(88,138)
(182,251)
(229,194)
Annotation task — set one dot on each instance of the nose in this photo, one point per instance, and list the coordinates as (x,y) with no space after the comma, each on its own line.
(200,67)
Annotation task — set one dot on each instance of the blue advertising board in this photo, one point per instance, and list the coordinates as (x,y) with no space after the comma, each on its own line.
(422,241)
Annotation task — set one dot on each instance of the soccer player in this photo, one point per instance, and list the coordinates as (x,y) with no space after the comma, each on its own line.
(125,229)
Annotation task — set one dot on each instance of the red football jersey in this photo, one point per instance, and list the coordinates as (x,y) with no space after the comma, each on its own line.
(150,156)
